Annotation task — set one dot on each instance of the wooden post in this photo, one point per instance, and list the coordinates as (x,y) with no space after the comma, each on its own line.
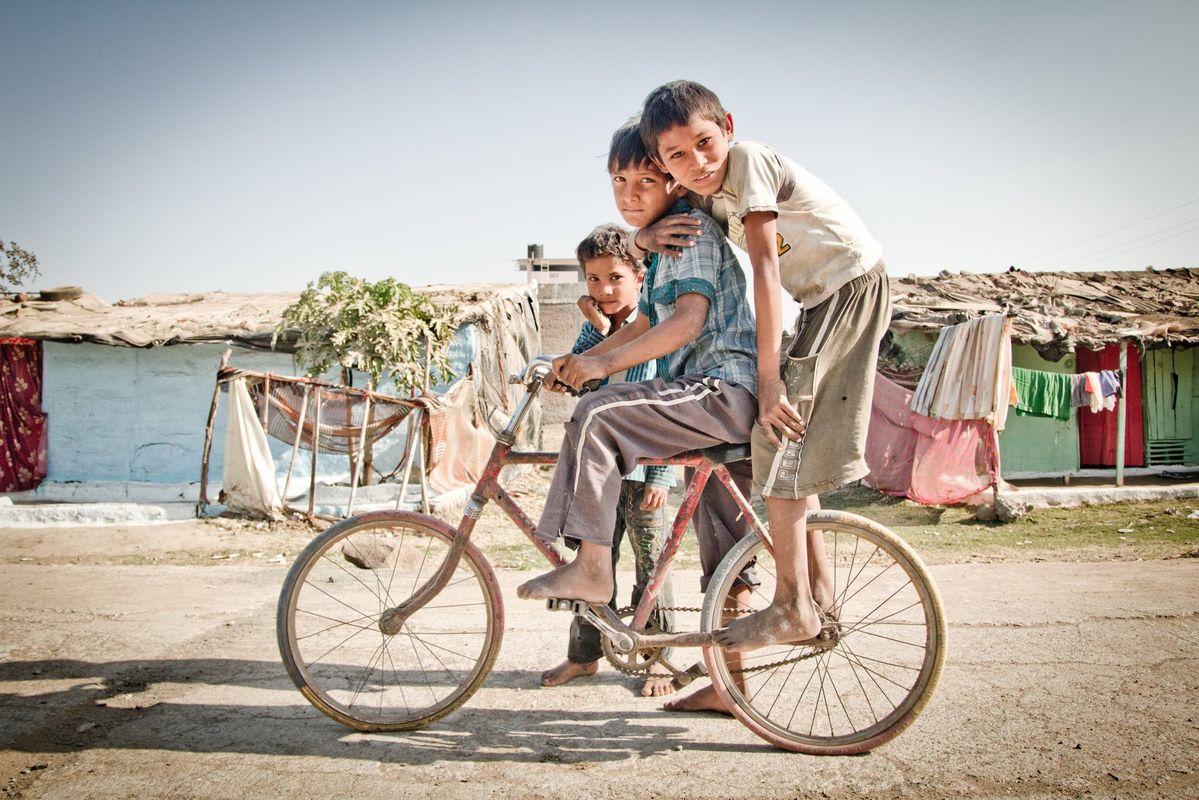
(316,446)
(410,454)
(1122,413)
(347,379)
(266,404)
(354,475)
(216,395)
(296,444)
(424,467)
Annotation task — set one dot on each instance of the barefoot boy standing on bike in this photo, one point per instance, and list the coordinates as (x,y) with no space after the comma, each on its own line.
(801,236)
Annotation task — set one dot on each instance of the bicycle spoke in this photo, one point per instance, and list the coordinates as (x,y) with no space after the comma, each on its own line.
(367,670)
(337,600)
(337,563)
(430,647)
(315,661)
(337,623)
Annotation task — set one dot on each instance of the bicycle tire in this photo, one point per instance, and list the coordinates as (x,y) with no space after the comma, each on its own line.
(332,646)
(880,674)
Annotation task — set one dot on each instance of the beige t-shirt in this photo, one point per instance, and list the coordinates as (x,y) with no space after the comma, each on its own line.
(822,243)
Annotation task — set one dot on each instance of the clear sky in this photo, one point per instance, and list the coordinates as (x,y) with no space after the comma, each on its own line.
(170,145)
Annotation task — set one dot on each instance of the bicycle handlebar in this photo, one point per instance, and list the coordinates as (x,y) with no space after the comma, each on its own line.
(539,367)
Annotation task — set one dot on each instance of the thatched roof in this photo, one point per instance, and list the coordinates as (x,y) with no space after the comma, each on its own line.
(1058,310)
(164,319)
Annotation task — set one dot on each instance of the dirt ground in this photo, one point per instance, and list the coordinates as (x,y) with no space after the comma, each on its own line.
(141,662)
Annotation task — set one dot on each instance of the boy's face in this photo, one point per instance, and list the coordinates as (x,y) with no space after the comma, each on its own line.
(613,285)
(643,193)
(697,154)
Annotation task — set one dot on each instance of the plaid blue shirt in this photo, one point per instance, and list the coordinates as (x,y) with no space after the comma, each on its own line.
(589,337)
(727,346)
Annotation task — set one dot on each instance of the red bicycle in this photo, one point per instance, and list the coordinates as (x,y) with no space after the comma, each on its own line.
(391,620)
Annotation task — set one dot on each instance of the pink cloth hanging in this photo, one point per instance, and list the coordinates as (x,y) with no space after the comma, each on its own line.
(931,461)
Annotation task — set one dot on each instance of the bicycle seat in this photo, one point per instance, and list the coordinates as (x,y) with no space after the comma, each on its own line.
(726,453)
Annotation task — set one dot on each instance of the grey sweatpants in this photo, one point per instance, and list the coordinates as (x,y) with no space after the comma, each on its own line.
(616,425)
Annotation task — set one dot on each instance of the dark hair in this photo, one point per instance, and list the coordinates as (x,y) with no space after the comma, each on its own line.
(626,148)
(607,240)
(673,104)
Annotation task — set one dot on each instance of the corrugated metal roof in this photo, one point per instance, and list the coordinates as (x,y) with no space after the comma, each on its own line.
(1058,310)
(161,319)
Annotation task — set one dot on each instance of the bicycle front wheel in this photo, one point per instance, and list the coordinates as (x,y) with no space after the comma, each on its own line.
(869,686)
(328,623)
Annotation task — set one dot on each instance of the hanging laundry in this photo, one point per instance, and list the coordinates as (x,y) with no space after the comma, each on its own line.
(968,375)
(1043,394)
(1095,390)
(1110,382)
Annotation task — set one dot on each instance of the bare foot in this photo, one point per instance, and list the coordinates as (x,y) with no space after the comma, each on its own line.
(659,683)
(574,581)
(567,671)
(775,624)
(704,699)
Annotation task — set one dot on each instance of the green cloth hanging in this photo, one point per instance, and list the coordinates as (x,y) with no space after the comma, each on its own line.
(1042,394)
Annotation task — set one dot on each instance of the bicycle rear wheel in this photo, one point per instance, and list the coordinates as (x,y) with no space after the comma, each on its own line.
(873,682)
(329,610)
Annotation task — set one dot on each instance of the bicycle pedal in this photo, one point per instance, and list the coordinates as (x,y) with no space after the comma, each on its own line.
(696,670)
(565,604)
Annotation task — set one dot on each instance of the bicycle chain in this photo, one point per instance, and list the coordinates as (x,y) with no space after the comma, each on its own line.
(623,666)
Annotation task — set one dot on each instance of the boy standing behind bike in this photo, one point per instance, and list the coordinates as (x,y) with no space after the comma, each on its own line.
(613,285)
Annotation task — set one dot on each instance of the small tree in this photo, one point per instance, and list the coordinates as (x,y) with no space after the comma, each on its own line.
(17,265)
(382,329)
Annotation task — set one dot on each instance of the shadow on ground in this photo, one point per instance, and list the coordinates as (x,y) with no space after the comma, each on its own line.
(140,705)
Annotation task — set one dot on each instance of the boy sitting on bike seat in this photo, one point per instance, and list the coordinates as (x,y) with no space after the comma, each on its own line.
(696,318)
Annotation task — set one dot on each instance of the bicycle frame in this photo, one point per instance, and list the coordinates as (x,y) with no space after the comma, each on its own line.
(489,488)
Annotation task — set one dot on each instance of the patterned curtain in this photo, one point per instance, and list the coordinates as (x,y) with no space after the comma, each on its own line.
(22,423)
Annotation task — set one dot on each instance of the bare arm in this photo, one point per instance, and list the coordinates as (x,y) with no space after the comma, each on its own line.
(622,335)
(666,236)
(605,359)
(776,415)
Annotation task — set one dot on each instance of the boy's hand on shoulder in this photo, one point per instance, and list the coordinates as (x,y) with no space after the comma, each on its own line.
(575,370)
(592,314)
(776,415)
(668,235)
(653,498)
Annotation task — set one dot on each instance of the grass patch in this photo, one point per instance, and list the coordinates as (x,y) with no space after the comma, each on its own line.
(951,534)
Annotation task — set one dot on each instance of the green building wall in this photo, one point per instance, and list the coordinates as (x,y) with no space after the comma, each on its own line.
(1171,405)
(1039,444)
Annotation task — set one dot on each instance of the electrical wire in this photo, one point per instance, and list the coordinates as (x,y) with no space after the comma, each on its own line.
(1109,233)
(1103,251)
(1155,241)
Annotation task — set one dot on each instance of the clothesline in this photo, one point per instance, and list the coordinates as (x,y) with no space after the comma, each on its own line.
(1054,394)
(970,376)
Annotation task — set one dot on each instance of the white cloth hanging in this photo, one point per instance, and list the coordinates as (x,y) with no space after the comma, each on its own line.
(249,470)
(969,374)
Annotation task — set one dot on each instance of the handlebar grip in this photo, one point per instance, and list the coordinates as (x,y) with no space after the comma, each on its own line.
(589,386)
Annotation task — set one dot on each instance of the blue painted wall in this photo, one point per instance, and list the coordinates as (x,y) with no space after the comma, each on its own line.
(134,414)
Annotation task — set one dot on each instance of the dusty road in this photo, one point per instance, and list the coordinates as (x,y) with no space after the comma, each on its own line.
(128,670)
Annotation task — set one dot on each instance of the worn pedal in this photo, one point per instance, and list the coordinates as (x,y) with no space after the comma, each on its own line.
(696,670)
(565,604)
